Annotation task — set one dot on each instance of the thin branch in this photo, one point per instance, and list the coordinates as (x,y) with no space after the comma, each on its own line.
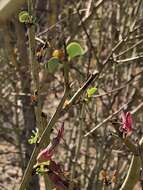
(130,48)
(130,59)
(105,120)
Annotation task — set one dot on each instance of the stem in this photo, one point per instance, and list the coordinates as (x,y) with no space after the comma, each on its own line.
(66,68)
(34,65)
(17,132)
(32,50)
(79,142)
(35,77)
(80,91)
(86,159)
(133,174)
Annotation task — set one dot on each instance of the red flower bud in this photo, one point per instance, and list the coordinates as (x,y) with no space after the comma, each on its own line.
(127,122)
(48,152)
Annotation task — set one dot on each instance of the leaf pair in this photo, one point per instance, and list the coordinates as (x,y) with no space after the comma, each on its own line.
(73,50)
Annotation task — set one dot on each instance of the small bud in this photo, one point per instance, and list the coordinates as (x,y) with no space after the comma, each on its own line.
(58,53)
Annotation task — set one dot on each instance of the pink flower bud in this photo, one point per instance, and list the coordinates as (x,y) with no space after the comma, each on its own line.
(48,152)
(127,122)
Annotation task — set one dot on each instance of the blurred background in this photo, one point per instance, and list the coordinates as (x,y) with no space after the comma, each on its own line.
(100,160)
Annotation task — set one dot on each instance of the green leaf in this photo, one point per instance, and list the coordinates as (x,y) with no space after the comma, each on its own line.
(24,17)
(34,137)
(74,49)
(91,91)
(52,65)
(41,167)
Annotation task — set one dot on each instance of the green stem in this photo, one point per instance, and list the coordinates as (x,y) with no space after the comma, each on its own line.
(32,50)
(133,174)
(36,84)
(34,65)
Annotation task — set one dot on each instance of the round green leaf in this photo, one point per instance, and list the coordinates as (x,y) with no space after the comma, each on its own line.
(74,49)
(52,65)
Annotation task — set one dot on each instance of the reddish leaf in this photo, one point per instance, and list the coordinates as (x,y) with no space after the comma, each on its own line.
(47,153)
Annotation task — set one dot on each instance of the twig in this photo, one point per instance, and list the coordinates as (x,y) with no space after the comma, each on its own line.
(92,48)
(80,91)
(79,142)
(86,20)
(129,59)
(105,120)
(57,23)
(130,48)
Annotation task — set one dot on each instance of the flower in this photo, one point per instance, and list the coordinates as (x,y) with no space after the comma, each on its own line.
(48,152)
(127,122)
